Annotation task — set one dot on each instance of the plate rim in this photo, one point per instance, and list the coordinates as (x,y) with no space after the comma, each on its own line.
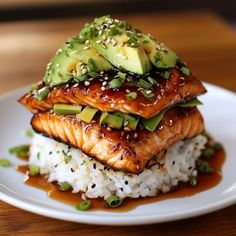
(81,217)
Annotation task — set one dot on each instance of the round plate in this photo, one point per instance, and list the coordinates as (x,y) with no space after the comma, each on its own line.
(220,116)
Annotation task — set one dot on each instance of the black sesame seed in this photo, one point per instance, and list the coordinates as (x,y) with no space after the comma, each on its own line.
(121,189)
(190,167)
(72,170)
(93,186)
(126,182)
(94,166)
(173,163)
(50,153)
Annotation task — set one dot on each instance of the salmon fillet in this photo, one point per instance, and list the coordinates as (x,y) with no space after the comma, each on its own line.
(170,91)
(117,149)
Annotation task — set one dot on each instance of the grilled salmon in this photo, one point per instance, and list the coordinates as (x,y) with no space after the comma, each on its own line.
(127,151)
(177,88)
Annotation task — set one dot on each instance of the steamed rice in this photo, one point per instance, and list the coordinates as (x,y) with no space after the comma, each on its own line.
(63,163)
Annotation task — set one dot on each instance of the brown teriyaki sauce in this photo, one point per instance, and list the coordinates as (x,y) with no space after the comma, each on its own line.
(205,181)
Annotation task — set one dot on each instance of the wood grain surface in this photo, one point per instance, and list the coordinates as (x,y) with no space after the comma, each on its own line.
(203,39)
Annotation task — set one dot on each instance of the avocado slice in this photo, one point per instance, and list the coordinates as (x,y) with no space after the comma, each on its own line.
(117,44)
(130,122)
(160,55)
(152,123)
(87,114)
(65,64)
(65,109)
(112,120)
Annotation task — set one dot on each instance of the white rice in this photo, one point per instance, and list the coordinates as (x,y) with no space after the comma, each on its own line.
(95,180)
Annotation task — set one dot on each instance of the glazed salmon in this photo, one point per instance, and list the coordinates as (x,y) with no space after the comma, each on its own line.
(127,151)
(177,88)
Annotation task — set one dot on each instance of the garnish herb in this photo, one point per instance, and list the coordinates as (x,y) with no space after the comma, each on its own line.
(91,66)
(67,157)
(83,205)
(204,167)
(165,74)
(151,80)
(29,132)
(193,181)
(144,84)
(208,153)
(122,75)
(42,93)
(5,163)
(116,83)
(217,146)
(20,150)
(34,170)
(147,94)
(131,96)
(113,201)
(64,186)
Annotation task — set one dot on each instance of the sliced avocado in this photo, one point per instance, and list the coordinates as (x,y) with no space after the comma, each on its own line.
(112,120)
(65,64)
(112,41)
(160,56)
(130,122)
(87,114)
(42,93)
(152,123)
(64,109)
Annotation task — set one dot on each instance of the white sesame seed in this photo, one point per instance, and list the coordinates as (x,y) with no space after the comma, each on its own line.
(106,78)
(97,54)
(67,86)
(57,65)
(104,46)
(82,67)
(99,41)
(100,32)
(87,41)
(108,128)
(84,71)
(127,91)
(194,173)
(112,26)
(104,83)
(117,21)
(127,129)
(148,91)
(126,123)
(86,83)
(127,137)
(80,63)
(103,88)
(86,47)
(108,40)
(135,135)
(112,105)
(104,37)
(75,85)
(101,72)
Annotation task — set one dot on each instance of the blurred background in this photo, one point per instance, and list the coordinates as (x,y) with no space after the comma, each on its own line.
(202,32)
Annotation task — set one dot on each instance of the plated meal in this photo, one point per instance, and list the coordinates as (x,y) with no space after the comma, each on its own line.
(115,117)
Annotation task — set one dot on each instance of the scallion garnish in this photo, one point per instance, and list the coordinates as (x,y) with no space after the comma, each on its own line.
(64,186)
(34,170)
(144,84)
(116,83)
(42,93)
(5,163)
(20,150)
(208,153)
(165,74)
(131,96)
(193,181)
(113,201)
(83,205)
(204,167)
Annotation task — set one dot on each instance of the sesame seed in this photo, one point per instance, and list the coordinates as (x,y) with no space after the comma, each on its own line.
(108,40)
(106,78)
(101,72)
(100,32)
(112,105)
(103,88)
(84,71)
(122,133)
(104,83)
(127,91)
(66,86)
(93,186)
(127,129)
(104,46)
(99,41)
(148,91)
(112,26)
(126,182)
(117,21)
(93,121)
(94,166)
(80,63)
(135,135)
(104,37)
(126,123)
(86,47)
(82,66)
(86,83)
(57,65)
(108,129)
(127,137)
(97,54)
(87,41)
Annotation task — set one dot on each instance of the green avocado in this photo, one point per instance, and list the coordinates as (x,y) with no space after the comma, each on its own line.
(115,42)
(87,114)
(130,122)
(72,60)
(112,120)
(160,56)
(66,109)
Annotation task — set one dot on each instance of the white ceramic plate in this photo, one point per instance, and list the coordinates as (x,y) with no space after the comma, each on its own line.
(220,116)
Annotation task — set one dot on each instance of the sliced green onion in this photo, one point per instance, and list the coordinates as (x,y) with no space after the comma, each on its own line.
(64,186)
(147,94)
(113,32)
(152,123)
(93,74)
(42,93)
(204,167)
(5,163)
(83,205)
(191,103)
(34,170)
(217,146)
(144,84)
(113,201)
(151,80)
(115,83)
(121,75)
(208,153)
(131,96)
(33,87)
(20,150)
(91,66)
(193,181)
(165,74)
(29,132)
(185,71)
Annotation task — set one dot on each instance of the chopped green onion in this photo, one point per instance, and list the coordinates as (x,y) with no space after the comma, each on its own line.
(217,146)
(204,167)
(29,132)
(93,74)
(20,150)
(83,205)
(121,75)
(193,181)
(113,201)
(151,80)
(185,71)
(113,32)
(191,103)
(144,84)
(34,170)
(91,66)
(147,94)
(166,74)
(64,186)
(131,96)
(208,153)
(5,163)
(115,83)
(42,93)
(152,123)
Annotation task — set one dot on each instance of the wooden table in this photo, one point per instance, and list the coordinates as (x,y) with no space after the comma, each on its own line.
(203,39)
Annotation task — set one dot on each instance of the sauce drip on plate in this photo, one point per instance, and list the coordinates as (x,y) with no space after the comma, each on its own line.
(205,181)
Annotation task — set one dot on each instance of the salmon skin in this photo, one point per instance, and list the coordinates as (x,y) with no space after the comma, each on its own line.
(126,151)
(176,89)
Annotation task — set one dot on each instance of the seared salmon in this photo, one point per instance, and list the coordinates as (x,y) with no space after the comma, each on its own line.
(127,151)
(176,89)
